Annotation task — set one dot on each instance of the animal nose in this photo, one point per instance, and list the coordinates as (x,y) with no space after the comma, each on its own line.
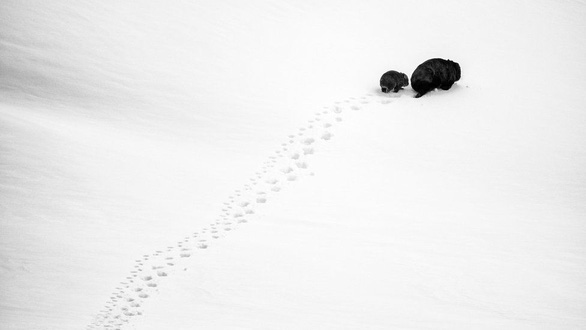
(384,89)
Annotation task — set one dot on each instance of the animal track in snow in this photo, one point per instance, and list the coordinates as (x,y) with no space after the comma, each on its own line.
(301,164)
(289,163)
(287,170)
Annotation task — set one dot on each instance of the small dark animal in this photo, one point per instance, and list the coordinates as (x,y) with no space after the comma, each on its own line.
(435,73)
(393,81)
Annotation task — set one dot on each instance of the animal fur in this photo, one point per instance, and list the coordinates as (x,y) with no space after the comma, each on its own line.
(435,73)
(393,81)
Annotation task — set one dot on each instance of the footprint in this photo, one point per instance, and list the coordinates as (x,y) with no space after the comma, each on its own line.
(308,141)
(143,295)
(301,165)
(276,189)
(326,136)
(327,125)
(295,156)
(185,255)
(308,151)
(161,274)
(355,107)
(338,119)
(287,170)
(291,177)
(261,200)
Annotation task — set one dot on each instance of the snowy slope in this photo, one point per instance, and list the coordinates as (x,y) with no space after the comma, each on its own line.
(233,166)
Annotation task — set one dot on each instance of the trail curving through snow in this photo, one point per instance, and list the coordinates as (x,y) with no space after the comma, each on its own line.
(290,163)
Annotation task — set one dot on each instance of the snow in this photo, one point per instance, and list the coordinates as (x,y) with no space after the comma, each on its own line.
(233,165)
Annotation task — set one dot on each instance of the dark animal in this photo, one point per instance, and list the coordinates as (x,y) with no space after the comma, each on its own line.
(393,81)
(435,73)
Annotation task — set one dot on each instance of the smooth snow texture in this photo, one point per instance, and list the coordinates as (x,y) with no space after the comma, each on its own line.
(233,165)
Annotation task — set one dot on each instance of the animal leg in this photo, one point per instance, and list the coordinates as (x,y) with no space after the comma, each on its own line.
(446,86)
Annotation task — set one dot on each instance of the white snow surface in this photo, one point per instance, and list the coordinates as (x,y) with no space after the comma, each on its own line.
(234,165)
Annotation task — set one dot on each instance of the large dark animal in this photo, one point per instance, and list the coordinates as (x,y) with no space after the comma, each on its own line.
(393,81)
(434,73)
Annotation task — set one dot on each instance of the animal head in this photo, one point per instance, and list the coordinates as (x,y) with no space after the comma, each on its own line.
(455,70)
(405,80)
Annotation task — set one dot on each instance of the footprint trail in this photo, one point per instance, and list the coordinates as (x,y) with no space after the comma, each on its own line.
(288,164)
